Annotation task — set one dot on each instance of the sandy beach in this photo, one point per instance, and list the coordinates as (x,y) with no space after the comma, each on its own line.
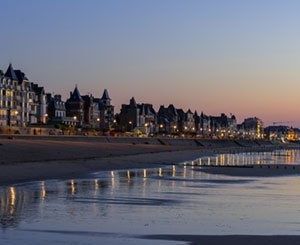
(27,159)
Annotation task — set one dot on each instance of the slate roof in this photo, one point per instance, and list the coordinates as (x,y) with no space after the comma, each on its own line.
(75,96)
(20,75)
(105,95)
(10,73)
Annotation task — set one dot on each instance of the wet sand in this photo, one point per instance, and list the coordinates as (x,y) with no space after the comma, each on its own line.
(27,160)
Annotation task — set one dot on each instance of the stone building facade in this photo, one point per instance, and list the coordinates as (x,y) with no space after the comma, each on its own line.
(21,102)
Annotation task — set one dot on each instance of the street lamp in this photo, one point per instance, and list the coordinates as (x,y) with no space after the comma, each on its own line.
(130,125)
(98,119)
(45,118)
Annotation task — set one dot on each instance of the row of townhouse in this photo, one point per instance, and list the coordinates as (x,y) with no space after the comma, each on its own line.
(171,120)
(24,103)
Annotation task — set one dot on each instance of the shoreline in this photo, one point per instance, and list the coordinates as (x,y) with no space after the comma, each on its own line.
(51,159)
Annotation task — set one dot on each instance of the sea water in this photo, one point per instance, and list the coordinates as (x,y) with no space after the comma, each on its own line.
(119,207)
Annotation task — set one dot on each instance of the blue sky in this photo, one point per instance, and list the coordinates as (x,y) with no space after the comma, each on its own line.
(233,56)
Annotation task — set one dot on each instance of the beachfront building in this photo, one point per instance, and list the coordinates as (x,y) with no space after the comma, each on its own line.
(106,112)
(251,128)
(41,104)
(186,122)
(129,116)
(148,118)
(282,133)
(223,126)
(197,123)
(21,102)
(141,118)
(56,109)
(91,114)
(205,128)
(167,118)
(75,107)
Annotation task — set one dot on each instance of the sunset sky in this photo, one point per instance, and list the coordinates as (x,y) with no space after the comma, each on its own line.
(233,56)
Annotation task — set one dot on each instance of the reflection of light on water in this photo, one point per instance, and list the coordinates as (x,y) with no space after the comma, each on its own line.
(173,171)
(128,175)
(73,187)
(145,173)
(160,172)
(112,179)
(96,184)
(43,190)
(12,196)
(249,158)
(184,171)
(12,200)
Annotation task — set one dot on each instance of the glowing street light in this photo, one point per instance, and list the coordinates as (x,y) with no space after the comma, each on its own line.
(98,119)
(75,118)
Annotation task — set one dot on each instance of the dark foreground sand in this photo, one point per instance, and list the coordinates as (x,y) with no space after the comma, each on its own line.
(228,239)
(25,160)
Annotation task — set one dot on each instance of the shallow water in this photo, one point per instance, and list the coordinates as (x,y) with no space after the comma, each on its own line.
(118,207)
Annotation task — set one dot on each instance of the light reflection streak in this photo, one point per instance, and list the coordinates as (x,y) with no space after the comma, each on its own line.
(43,190)
(173,171)
(160,172)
